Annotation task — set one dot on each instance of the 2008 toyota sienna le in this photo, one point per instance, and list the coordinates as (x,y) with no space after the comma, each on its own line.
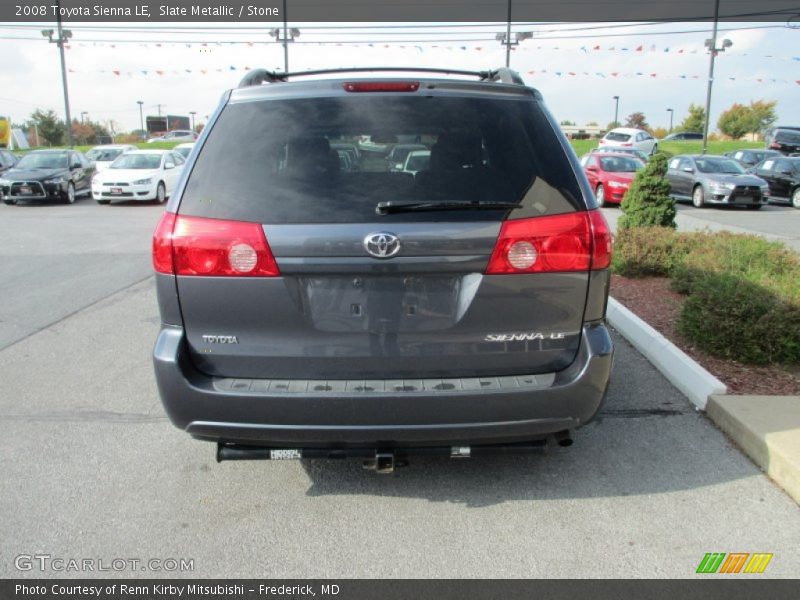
(314,311)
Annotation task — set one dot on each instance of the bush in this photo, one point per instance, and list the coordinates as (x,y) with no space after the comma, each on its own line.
(743,291)
(651,251)
(737,319)
(647,203)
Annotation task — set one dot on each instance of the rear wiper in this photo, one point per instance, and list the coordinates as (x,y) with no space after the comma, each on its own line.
(385,208)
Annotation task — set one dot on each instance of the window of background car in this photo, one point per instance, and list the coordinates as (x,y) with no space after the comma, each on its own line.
(618,137)
(137,161)
(718,165)
(790,137)
(271,161)
(620,164)
(44,160)
(674,163)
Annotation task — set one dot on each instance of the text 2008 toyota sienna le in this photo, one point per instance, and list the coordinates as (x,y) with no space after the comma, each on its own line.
(316,306)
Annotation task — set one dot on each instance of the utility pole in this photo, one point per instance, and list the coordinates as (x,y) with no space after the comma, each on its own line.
(285,36)
(616,111)
(671,113)
(506,40)
(63,36)
(159,108)
(141,119)
(285,40)
(193,113)
(711,44)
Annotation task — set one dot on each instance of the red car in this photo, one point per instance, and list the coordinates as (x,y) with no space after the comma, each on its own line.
(610,175)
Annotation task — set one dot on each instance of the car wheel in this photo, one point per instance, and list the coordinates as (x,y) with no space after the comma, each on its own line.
(9,201)
(161,193)
(71,193)
(698,197)
(600,194)
(796,198)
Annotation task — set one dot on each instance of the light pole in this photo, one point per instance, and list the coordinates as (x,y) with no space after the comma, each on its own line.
(141,119)
(671,113)
(83,116)
(63,36)
(711,44)
(616,111)
(286,36)
(193,113)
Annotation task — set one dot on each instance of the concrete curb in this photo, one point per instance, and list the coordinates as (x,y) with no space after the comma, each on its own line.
(683,372)
(767,429)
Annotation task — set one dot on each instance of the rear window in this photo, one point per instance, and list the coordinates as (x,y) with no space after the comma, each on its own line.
(791,137)
(275,161)
(618,137)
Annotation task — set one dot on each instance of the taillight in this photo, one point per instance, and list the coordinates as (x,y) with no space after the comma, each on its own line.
(212,248)
(381,86)
(560,243)
(601,240)
(774,145)
(627,144)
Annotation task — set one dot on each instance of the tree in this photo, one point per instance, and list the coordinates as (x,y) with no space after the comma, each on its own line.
(51,129)
(647,203)
(659,132)
(592,124)
(613,125)
(694,121)
(83,133)
(637,121)
(736,121)
(763,115)
(567,123)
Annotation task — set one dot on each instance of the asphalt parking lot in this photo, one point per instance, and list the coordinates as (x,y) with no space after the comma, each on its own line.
(91,468)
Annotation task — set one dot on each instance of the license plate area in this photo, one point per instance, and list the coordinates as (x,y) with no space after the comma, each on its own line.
(116,191)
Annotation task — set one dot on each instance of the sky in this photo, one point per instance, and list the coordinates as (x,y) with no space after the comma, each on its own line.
(578,67)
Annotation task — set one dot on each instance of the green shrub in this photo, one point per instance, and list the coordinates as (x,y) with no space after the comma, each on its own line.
(733,318)
(651,251)
(647,203)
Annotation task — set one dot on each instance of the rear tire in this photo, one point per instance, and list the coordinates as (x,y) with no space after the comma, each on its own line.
(9,202)
(600,194)
(698,197)
(796,198)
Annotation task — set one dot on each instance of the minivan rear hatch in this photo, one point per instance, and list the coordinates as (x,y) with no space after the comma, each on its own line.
(363,270)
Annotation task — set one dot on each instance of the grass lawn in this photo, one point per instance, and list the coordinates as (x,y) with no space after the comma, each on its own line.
(581,147)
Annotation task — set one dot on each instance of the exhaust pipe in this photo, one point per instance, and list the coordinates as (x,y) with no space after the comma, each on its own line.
(563,438)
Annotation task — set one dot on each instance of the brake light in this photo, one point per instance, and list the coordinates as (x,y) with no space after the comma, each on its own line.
(559,243)
(627,144)
(774,145)
(381,86)
(211,248)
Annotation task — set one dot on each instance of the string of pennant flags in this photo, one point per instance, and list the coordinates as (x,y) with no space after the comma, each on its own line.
(432,45)
(565,74)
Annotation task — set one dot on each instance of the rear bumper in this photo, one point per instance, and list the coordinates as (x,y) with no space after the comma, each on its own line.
(245,411)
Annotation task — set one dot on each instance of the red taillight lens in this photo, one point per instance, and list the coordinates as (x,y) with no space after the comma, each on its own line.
(560,243)
(381,86)
(212,248)
(162,245)
(602,240)
(627,144)
(774,145)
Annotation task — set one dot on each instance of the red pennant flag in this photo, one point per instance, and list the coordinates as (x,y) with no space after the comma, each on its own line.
(571,73)
(478,48)
(652,74)
(596,48)
(639,49)
(797,82)
(203,71)
(160,72)
(116,73)
(614,74)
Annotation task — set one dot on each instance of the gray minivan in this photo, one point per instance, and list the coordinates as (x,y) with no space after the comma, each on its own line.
(309,311)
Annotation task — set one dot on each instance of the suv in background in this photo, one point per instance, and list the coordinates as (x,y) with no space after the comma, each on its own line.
(177,135)
(784,140)
(312,312)
(782,174)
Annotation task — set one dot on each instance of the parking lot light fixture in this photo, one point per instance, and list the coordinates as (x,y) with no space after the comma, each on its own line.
(63,36)
(616,111)
(671,113)
(141,119)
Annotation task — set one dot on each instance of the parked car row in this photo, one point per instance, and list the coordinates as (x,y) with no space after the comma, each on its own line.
(701,179)
(106,173)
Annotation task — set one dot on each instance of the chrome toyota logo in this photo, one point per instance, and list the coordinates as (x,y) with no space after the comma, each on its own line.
(382,245)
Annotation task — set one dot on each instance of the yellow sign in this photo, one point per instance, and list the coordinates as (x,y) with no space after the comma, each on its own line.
(5,132)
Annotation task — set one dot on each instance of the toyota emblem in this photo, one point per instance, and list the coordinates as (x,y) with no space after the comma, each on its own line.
(382,245)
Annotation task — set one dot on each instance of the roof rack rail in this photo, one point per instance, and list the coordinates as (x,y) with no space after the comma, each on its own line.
(259,76)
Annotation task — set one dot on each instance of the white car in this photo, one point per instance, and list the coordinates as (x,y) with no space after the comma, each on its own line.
(139,175)
(627,137)
(176,135)
(416,161)
(103,156)
(184,149)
